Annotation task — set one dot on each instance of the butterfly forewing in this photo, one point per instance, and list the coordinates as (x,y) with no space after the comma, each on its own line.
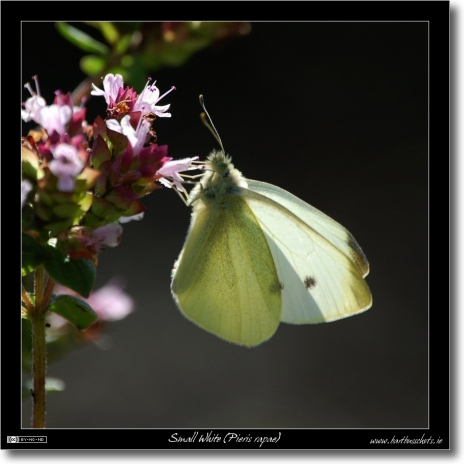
(320,271)
(328,228)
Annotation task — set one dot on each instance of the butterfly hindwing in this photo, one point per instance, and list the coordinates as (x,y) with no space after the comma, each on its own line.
(225,280)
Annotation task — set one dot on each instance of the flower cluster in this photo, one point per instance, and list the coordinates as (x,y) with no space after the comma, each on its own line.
(81,181)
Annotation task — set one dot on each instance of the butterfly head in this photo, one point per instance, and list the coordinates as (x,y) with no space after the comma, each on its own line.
(219,163)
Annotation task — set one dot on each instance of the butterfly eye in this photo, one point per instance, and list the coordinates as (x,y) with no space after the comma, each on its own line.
(222,168)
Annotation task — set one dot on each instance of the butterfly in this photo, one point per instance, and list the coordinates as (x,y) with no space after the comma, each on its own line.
(256,255)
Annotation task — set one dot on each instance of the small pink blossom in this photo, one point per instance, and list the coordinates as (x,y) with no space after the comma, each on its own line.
(137,137)
(146,101)
(55,118)
(87,242)
(32,108)
(111,85)
(170,172)
(34,104)
(109,235)
(111,303)
(52,118)
(66,165)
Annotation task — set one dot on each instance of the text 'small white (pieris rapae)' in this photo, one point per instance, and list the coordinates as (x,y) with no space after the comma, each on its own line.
(255,255)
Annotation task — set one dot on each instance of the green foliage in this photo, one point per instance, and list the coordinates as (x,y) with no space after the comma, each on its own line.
(109,31)
(74,310)
(81,39)
(33,254)
(92,65)
(135,50)
(76,274)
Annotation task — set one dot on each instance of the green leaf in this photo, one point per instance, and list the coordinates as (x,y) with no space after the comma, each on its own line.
(86,180)
(81,39)
(29,163)
(86,202)
(92,65)
(104,209)
(33,254)
(66,210)
(28,218)
(135,207)
(90,220)
(100,152)
(109,31)
(76,274)
(74,310)
(118,141)
(56,227)
(123,44)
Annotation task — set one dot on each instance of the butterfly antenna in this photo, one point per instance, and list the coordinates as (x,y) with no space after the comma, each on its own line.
(207,121)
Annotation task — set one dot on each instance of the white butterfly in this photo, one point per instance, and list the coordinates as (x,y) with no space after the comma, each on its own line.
(255,255)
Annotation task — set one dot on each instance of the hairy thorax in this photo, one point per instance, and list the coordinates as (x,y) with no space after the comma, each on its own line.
(220,182)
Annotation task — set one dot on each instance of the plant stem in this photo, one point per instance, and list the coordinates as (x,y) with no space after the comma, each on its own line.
(39,363)
(48,293)
(39,350)
(38,288)
(27,300)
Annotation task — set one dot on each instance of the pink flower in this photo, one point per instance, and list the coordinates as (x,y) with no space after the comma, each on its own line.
(111,85)
(66,165)
(87,242)
(32,107)
(170,172)
(146,101)
(109,235)
(111,303)
(137,137)
(34,104)
(53,118)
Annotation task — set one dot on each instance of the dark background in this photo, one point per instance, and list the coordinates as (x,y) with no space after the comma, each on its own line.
(336,113)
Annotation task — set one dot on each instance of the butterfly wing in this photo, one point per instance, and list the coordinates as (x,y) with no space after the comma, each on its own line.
(331,230)
(319,263)
(225,279)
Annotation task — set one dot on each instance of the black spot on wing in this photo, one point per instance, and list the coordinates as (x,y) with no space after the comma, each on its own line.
(309,282)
